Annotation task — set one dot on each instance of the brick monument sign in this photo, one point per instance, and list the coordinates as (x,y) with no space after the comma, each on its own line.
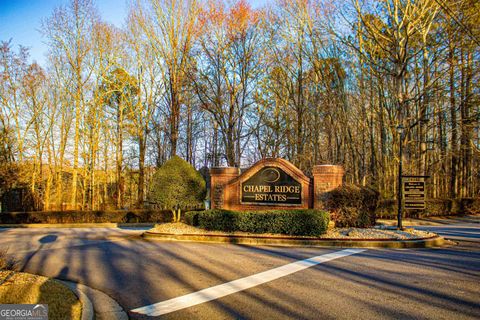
(271,183)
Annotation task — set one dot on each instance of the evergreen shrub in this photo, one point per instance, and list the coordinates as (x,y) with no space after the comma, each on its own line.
(71,216)
(387,208)
(470,205)
(177,185)
(351,206)
(305,222)
(437,207)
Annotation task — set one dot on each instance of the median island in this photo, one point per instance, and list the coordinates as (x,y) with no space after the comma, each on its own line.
(285,227)
(334,233)
(273,203)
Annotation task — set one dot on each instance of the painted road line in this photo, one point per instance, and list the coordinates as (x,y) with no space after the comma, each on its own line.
(228,288)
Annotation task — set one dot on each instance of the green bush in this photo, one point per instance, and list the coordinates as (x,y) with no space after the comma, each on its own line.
(471,205)
(351,206)
(437,207)
(177,185)
(306,222)
(386,209)
(117,216)
(458,206)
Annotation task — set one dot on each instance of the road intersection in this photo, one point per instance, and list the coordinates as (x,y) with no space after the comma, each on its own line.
(437,283)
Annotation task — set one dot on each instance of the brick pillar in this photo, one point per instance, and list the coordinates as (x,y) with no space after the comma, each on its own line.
(219,177)
(325,178)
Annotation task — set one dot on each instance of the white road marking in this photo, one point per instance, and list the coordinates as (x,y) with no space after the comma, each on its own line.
(228,288)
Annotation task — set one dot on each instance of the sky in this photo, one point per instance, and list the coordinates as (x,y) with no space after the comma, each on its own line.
(20,20)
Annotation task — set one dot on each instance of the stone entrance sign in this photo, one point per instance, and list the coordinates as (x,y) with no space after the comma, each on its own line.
(271,183)
(271,186)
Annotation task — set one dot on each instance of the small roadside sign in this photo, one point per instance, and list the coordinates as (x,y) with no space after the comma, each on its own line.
(414,192)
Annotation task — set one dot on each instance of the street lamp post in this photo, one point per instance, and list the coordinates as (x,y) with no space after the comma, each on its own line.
(401,132)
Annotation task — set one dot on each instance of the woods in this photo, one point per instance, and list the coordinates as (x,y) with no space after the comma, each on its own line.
(227,84)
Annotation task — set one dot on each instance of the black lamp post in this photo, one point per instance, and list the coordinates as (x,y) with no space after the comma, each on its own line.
(401,133)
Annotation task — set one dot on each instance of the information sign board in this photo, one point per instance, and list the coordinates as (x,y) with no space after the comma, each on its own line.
(414,192)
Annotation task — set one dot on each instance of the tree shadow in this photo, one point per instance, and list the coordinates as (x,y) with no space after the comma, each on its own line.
(138,273)
(44,241)
(62,302)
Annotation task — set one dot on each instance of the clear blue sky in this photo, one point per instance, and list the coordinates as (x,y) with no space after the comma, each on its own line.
(20,20)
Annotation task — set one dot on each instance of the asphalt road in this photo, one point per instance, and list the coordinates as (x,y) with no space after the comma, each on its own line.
(441,283)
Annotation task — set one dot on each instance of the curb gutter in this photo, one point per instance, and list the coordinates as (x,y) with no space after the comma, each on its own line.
(87,307)
(98,305)
(435,241)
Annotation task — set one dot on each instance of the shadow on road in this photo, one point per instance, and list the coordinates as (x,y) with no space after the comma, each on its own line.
(139,273)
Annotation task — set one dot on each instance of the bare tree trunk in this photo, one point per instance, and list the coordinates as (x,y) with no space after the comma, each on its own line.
(141,171)
(189,135)
(119,157)
(453,123)
(216,159)
(174,119)
(466,127)
(423,113)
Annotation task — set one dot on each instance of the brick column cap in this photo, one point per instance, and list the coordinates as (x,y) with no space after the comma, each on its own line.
(328,169)
(224,171)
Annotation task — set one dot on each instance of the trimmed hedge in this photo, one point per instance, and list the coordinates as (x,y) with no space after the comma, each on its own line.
(387,209)
(118,216)
(436,207)
(351,206)
(470,205)
(306,222)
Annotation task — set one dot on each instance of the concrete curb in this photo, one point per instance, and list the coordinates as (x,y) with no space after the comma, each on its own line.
(87,307)
(78,225)
(99,305)
(435,241)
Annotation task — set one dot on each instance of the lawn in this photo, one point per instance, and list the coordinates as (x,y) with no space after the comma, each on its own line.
(25,288)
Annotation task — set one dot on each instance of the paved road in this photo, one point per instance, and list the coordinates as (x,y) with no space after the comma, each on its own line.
(441,283)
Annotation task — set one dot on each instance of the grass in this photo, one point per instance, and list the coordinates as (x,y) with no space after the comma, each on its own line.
(25,288)
(7,262)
